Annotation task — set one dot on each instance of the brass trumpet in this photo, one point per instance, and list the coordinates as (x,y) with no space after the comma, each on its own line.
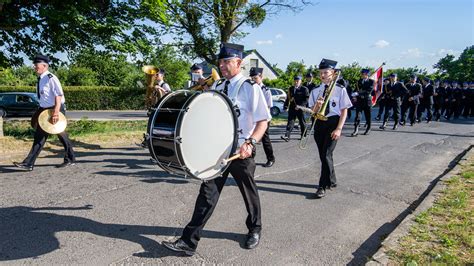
(208,81)
(320,114)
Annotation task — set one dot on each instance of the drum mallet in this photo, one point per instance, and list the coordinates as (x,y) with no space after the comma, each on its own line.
(225,161)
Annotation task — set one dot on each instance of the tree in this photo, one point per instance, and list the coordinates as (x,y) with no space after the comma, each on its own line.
(202,25)
(29,27)
(461,69)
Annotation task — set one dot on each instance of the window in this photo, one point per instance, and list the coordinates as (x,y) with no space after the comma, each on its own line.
(23,99)
(7,98)
(274,92)
(253,63)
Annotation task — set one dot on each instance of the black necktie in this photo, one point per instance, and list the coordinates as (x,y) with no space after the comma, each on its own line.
(226,88)
(38,88)
(326,112)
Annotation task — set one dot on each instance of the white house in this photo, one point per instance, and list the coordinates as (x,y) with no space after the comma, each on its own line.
(252,58)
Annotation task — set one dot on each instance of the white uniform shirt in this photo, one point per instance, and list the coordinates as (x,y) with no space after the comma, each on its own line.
(251,103)
(49,88)
(339,99)
(268,95)
(165,86)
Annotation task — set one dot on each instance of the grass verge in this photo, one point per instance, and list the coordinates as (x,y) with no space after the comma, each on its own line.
(443,234)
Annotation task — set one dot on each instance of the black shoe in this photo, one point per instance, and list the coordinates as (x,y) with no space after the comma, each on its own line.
(377,118)
(333,185)
(383,126)
(269,163)
(179,246)
(65,164)
(252,240)
(356,132)
(285,138)
(320,193)
(367,131)
(395,126)
(23,166)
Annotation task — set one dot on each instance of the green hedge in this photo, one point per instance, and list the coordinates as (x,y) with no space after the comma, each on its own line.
(95,97)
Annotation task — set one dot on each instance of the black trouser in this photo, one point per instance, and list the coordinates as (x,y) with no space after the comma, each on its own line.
(382,103)
(437,110)
(445,107)
(40,139)
(429,111)
(413,107)
(404,108)
(326,146)
(366,108)
(468,109)
(392,104)
(267,145)
(243,173)
(292,115)
(454,109)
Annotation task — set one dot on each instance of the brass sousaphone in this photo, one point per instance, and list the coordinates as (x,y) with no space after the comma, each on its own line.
(152,95)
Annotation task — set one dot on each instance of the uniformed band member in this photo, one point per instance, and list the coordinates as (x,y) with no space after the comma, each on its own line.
(51,96)
(438,99)
(447,99)
(257,76)
(412,100)
(468,98)
(326,133)
(455,101)
(161,87)
(297,95)
(364,92)
(427,101)
(381,100)
(196,74)
(309,81)
(393,94)
(253,121)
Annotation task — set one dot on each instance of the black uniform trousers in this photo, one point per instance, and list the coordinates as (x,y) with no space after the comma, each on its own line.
(428,107)
(326,146)
(412,113)
(243,173)
(437,109)
(292,115)
(40,139)
(267,144)
(454,109)
(392,104)
(404,107)
(367,109)
(382,103)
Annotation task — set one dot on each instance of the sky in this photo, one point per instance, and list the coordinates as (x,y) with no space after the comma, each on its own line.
(403,33)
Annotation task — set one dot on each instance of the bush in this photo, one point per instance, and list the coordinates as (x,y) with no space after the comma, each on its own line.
(95,97)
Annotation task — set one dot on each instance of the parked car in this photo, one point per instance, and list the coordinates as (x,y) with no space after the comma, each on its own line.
(18,104)
(278,94)
(277,108)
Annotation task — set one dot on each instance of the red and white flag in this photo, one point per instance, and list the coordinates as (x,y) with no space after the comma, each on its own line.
(377,77)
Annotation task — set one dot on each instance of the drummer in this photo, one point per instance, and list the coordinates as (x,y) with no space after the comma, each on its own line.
(51,96)
(253,120)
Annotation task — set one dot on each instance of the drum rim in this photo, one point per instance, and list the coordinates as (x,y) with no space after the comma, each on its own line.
(234,144)
(150,143)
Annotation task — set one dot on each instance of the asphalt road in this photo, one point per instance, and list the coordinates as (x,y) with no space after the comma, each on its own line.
(116,207)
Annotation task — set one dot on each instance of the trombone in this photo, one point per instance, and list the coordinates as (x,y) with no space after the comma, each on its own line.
(317,115)
(208,81)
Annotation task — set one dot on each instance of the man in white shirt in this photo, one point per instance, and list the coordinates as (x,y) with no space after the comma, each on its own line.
(256,75)
(51,96)
(326,133)
(253,120)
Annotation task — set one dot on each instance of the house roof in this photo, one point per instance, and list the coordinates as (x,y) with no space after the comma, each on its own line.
(248,52)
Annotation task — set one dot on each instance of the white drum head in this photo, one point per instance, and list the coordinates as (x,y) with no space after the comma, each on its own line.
(207,135)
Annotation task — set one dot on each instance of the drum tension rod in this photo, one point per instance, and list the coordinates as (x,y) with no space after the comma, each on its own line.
(178,140)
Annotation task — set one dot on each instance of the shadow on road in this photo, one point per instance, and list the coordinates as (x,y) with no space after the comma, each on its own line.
(30,232)
(373,243)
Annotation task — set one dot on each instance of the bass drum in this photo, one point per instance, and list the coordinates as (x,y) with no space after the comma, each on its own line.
(191,132)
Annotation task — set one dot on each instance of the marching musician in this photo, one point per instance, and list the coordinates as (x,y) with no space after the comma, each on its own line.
(364,92)
(297,95)
(257,76)
(446,108)
(427,101)
(309,81)
(253,121)
(326,133)
(197,77)
(393,93)
(51,96)
(161,87)
(412,100)
(438,99)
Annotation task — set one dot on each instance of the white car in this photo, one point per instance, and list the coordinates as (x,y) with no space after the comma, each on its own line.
(277,108)
(278,95)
